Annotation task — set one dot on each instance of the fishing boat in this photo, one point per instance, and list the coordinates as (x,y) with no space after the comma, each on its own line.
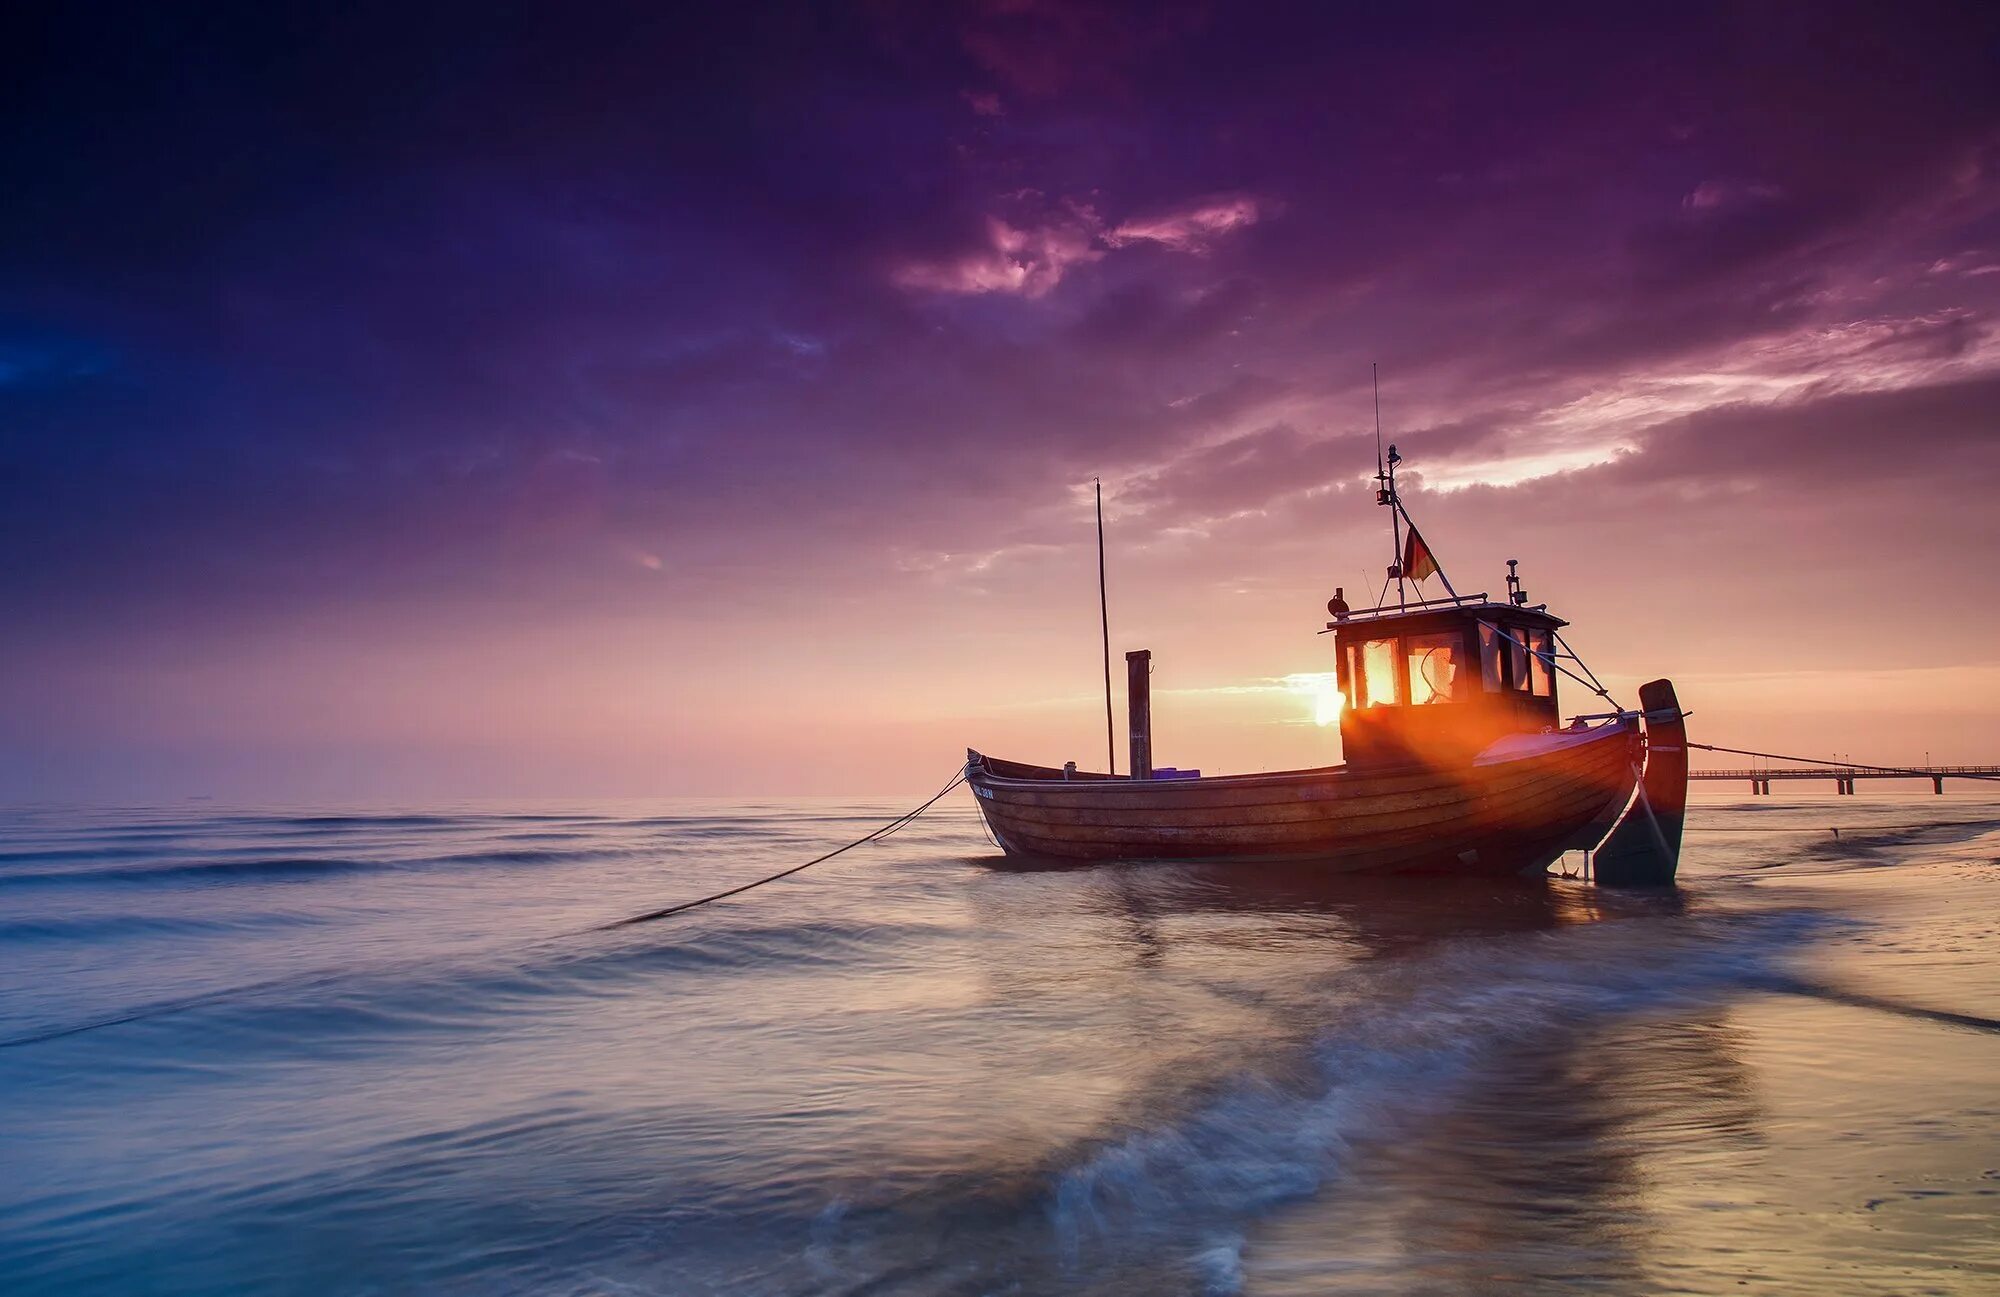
(1457,760)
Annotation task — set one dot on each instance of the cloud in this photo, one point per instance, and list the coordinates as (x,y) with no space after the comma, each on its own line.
(1850,438)
(1189,229)
(1244,472)
(1711,195)
(782,305)
(1027,262)
(1030,257)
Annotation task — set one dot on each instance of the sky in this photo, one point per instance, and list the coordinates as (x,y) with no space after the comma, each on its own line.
(415,402)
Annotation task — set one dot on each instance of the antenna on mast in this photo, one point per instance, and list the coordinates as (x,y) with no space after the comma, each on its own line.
(1375,377)
(1385,493)
(1104,623)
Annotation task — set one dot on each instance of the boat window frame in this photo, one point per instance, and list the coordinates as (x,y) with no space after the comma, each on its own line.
(1452,639)
(1519,676)
(1398,680)
(1541,665)
(1492,659)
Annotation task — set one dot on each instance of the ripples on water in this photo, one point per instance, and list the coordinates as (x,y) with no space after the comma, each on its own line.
(365,1053)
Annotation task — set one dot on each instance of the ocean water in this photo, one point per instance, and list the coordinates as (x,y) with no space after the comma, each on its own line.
(373,1050)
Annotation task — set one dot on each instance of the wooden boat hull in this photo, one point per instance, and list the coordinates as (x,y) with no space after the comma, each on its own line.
(1513,809)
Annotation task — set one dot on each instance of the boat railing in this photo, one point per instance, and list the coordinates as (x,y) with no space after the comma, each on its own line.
(1662,715)
(1413,605)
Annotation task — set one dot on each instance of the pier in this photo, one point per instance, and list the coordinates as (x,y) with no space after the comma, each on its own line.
(1844,777)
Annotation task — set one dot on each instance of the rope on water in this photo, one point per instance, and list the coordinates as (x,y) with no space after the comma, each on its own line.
(166,1008)
(874,835)
(1845,765)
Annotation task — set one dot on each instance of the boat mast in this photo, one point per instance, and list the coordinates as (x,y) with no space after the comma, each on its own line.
(1104,623)
(1386,492)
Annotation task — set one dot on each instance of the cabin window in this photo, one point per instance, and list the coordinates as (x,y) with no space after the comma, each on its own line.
(1517,660)
(1540,670)
(1492,658)
(1433,663)
(1378,674)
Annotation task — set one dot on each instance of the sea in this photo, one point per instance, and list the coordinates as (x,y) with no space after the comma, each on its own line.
(394,1049)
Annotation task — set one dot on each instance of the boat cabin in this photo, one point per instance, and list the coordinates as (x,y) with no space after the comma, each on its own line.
(1436,682)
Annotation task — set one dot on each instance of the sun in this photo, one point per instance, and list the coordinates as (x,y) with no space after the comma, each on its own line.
(1321,691)
(1327,700)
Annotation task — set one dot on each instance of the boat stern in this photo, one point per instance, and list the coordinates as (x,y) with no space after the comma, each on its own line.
(1643,848)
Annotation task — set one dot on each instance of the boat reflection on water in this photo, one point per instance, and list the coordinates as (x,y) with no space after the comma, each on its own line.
(1548,1171)
(1379,915)
(1342,1082)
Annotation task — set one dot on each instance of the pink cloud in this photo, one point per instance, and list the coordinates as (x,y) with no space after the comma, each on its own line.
(1712,194)
(1191,229)
(1028,262)
(1030,259)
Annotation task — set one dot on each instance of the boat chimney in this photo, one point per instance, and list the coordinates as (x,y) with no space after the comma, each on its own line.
(1139,693)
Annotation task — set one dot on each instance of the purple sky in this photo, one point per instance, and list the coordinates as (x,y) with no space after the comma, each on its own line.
(411,401)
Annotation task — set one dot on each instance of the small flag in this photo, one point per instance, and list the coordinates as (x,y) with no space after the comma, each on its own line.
(1418,561)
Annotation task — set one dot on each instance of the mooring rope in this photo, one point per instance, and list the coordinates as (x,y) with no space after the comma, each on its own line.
(161,1009)
(1915,771)
(874,835)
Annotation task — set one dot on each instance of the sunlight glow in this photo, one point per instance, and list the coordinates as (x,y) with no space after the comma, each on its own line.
(1322,690)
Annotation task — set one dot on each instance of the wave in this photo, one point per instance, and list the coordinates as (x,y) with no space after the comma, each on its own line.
(509,856)
(49,855)
(1804,830)
(95,927)
(1871,845)
(318,1009)
(711,826)
(751,946)
(417,821)
(260,868)
(369,821)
